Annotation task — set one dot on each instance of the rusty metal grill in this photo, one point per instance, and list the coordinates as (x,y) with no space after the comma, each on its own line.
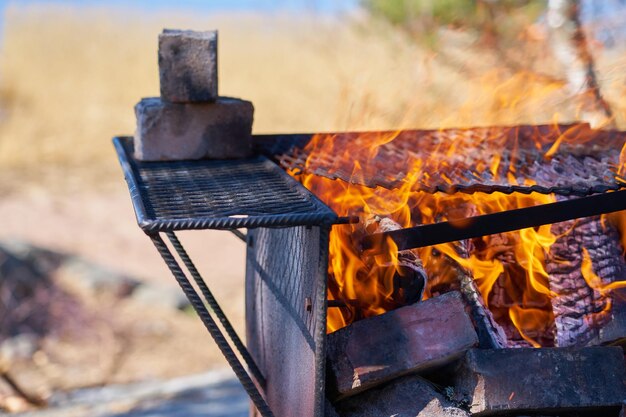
(286,274)
(231,194)
(453,160)
(282,368)
(286,290)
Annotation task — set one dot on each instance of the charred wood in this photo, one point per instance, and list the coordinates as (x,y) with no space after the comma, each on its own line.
(580,310)
(507,293)
(410,396)
(490,334)
(410,277)
(405,269)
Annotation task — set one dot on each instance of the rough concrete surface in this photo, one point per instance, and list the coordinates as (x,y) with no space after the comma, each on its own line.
(175,131)
(545,380)
(188,65)
(410,339)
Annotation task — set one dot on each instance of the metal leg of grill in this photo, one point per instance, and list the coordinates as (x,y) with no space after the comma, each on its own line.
(239,234)
(321,309)
(219,313)
(211,325)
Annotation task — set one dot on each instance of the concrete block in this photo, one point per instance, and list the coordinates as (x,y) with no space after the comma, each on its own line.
(175,131)
(188,66)
(547,380)
(410,396)
(411,339)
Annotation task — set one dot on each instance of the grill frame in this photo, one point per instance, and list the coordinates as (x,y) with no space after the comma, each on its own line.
(312,225)
(286,311)
(269,218)
(500,222)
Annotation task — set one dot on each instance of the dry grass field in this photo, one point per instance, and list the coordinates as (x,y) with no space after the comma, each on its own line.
(69,79)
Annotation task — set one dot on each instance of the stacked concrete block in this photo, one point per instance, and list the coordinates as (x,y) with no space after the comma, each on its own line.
(552,381)
(412,339)
(188,66)
(190,120)
(178,131)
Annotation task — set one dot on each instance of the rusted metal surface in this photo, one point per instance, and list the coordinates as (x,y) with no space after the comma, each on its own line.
(459,160)
(205,194)
(499,222)
(286,315)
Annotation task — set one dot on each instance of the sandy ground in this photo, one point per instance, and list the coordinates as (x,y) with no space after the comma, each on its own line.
(122,340)
(100,226)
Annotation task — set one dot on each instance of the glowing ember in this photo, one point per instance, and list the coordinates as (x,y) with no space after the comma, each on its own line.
(509,269)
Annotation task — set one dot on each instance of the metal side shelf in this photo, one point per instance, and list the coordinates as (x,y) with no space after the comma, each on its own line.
(224,195)
(217,194)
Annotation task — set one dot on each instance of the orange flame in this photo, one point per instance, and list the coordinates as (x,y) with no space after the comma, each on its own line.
(509,269)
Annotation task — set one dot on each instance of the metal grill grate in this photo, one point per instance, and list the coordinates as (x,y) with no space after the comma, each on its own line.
(207,194)
(459,160)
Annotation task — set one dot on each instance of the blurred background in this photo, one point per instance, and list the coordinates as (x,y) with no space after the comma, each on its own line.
(85,301)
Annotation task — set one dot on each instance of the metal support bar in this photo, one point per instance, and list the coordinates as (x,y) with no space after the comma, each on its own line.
(219,313)
(211,326)
(239,234)
(506,221)
(321,308)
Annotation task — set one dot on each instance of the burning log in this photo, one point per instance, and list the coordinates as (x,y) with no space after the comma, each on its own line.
(410,339)
(382,283)
(408,396)
(515,381)
(507,295)
(490,334)
(410,277)
(585,259)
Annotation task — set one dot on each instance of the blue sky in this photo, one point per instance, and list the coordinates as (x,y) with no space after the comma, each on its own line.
(608,15)
(323,6)
(295,6)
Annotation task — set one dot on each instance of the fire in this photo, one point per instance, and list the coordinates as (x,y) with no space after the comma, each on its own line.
(509,269)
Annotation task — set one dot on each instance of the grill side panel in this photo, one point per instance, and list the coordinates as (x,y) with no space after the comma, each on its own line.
(286,315)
